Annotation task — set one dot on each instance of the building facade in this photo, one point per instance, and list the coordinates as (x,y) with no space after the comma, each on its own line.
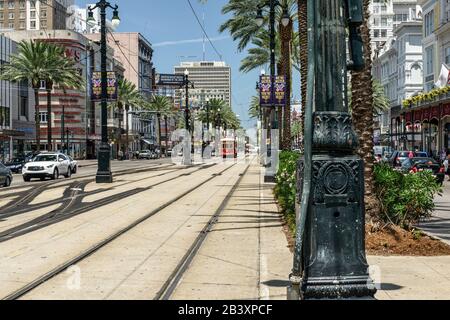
(424,120)
(386,15)
(212,80)
(135,54)
(75,119)
(17,126)
(33,15)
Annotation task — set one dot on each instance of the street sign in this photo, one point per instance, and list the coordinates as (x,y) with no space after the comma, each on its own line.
(272,93)
(96,87)
(170,79)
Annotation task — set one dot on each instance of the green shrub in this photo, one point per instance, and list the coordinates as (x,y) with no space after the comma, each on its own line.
(405,199)
(285,189)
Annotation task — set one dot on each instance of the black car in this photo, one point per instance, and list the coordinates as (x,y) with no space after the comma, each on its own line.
(6,177)
(415,165)
(16,165)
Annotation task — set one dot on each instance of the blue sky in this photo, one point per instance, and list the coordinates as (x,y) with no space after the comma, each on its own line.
(171,27)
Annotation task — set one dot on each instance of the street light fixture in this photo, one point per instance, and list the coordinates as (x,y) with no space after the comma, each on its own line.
(104,174)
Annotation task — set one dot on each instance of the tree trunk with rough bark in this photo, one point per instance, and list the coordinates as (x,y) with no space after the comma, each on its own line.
(362,113)
(303,50)
(286,70)
(37,118)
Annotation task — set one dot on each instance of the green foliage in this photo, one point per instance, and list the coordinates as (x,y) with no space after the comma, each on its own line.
(285,189)
(405,198)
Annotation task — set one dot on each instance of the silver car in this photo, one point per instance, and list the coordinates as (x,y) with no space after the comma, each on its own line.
(5,176)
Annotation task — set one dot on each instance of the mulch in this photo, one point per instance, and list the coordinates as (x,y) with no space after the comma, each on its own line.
(393,241)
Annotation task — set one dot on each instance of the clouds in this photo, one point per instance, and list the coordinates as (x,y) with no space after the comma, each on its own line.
(180,42)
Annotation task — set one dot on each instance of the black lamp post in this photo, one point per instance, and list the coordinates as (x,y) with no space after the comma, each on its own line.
(330,259)
(272,4)
(104,174)
(187,150)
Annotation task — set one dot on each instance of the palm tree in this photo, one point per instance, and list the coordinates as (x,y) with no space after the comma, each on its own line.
(66,77)
(302,6)
(362,113)
(32,63)
(162,106)
(127,96)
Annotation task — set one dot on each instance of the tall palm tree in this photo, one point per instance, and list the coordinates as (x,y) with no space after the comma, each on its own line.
(67,77)
(127,96)
(302,6)
(362,113)
(162,106)
(32,63)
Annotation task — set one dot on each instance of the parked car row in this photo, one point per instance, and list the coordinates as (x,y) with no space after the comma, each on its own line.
(42,166)
(149,155)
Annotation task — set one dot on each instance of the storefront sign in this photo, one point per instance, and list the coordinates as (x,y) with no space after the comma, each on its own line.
(96,90)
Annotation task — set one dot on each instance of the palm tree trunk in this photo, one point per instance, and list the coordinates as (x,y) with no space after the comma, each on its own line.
(362,112)
(303,40)
(120,129)
(167,135)
(37,118)
(49,115)
(286,38)
(127,108)
(158,116)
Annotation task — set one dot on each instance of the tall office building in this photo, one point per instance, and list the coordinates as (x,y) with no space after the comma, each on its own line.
(386,15)
(212,80)
(33,14)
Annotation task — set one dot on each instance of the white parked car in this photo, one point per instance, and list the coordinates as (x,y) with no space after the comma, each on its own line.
(73,165)
(47,165)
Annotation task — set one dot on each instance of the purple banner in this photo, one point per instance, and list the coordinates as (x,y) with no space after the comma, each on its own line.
(280,91)
(96,94)
(272,93)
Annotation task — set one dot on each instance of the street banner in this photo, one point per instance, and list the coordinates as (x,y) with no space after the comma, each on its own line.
(272,93)
(169,79)
(265,91)
(96,94)
(280,91)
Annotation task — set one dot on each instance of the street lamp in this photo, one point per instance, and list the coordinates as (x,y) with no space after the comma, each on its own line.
(329,257)
(104,174)
(186,148)
(272,4)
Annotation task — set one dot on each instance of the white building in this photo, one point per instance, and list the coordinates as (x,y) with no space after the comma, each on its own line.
(77,18)
(399,67)
(436,39)
(212,80)
(386,15)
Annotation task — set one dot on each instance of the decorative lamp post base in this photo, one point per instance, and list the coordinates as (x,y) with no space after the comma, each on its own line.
(335,265)
(104,174)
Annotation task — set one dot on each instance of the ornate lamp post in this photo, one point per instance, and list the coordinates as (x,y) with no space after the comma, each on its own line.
(187,145)
(104,174)
(330,260)
(271,4)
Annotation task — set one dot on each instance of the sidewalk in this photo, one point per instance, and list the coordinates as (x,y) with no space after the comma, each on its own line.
(439,225)
(246,254)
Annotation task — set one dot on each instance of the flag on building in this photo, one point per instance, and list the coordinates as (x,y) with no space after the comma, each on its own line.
(443,77)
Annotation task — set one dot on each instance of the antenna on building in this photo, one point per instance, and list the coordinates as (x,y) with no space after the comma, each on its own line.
(204,39)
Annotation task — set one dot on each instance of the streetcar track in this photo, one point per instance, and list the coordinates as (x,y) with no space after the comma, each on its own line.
(28,196)
(62,267)
(31,207)
(59,215)
(174,279)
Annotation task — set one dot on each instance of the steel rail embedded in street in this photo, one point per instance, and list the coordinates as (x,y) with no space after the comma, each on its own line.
(59,269)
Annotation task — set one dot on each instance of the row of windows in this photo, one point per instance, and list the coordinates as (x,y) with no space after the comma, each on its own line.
(23,14)
(22,24)
(22,4)
(4,117)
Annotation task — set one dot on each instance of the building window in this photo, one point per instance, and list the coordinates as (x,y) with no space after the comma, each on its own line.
(43,117)
(11,15)
(32,24)
(22,25)
(33,14)
(22,4)
(429,23)
(447,56)
(22,15)
(11,5)
(1,5)
(429,60)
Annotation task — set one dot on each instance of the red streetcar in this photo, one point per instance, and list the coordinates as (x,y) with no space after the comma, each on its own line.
(228,148)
